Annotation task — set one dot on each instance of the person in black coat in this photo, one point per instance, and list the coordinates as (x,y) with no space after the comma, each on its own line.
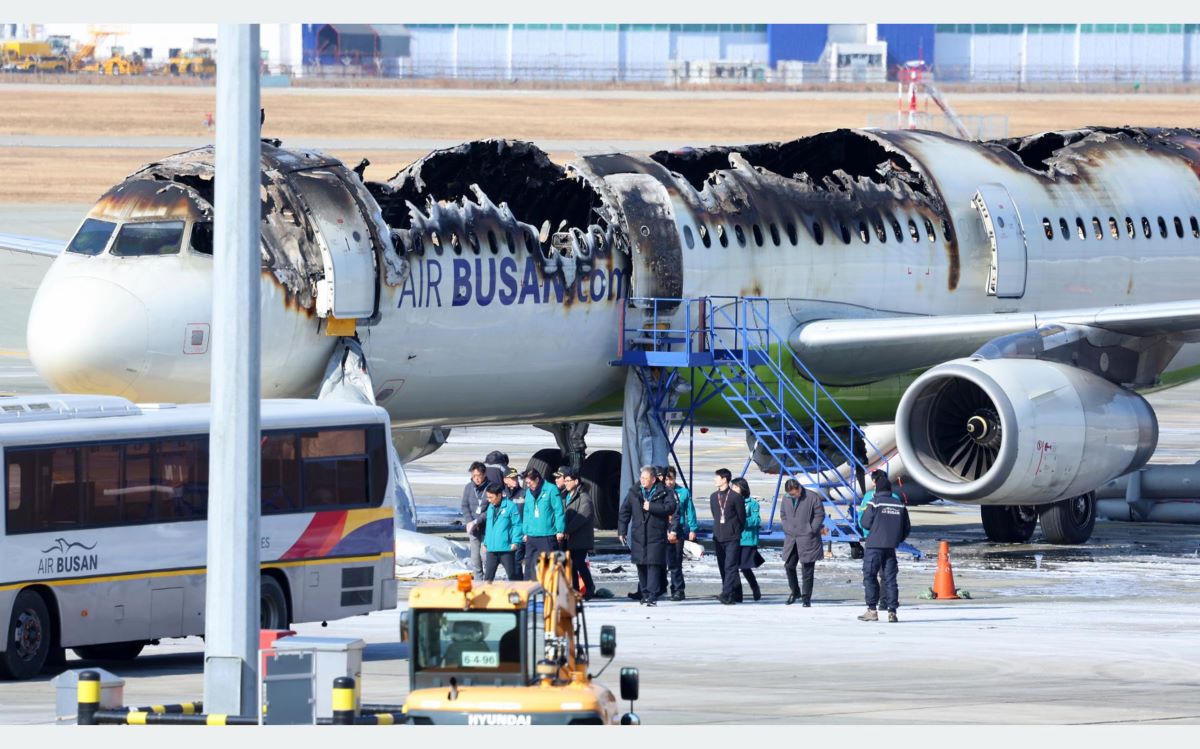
(643,522)
(579,533)
(802,518)
(729,520)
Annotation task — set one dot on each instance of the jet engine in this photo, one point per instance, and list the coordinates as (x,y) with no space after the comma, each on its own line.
(1020,431)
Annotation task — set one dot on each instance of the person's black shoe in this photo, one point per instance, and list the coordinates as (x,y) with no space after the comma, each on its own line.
(677,596)
(724,599)
(652,602)
(806,603)
(757,594)
(791,599)
(635,596)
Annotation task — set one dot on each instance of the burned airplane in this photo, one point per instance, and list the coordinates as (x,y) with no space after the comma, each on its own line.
(1002,301)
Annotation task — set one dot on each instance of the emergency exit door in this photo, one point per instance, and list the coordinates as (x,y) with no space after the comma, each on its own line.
(1006,234)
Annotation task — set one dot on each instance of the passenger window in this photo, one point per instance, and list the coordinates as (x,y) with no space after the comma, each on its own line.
(880,231)
(758,237)
(1130,227)
(1096,228)
(334,468)
(912,231)
(436,241)
(202,238)
(1113,229)
(896,228)
(845,232)
(1079,228)
(704,238)
(741,235)
(1195,228)
(946,233)
(1048,228)
(101,484)
(473,241)
(182,488)
(790,228)
(492,245)
(92,237)
(930,234)
(724,240)
(863,234)
(455,243)
(43,490)
(1178,227)
(280,474)
(688,239)
(1062,228)
(137,483)
(775,233)
(1146,227)
(147,239)
(1162,227)
(818,233)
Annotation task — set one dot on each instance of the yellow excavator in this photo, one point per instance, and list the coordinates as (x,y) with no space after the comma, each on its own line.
(508,653)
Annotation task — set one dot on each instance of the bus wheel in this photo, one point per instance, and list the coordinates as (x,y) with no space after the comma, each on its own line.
(29,636)
(113,651)
(272,604)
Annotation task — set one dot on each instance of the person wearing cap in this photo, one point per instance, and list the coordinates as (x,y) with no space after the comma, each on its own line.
(515,493)
(643,522)
(802,518)
(682,527)
(501,535)
(558,480)
(579,534)
(886,520)
(496,464)
(544,520)
(474,501)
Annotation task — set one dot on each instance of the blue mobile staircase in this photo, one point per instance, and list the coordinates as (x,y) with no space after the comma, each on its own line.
(727,348)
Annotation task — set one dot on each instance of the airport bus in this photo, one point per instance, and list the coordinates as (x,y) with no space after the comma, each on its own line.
(103,534)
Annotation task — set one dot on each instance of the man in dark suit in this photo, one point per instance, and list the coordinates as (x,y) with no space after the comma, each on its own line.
(643,521)
(802,517)
(729,520)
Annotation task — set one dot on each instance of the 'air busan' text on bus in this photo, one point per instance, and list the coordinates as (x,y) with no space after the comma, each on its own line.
(502,281)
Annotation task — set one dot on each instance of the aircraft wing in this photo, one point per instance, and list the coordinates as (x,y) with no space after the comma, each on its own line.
(852,351)
(32,245)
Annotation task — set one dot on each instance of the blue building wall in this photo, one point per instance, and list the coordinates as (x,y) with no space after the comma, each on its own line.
(908,41)
(796,41)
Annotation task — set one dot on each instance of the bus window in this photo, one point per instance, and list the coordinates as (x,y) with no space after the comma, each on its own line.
(137,483)
(182,492)
(101,484)
(280,474)
(334,468)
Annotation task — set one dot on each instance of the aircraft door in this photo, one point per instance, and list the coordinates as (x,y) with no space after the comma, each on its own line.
(1006,234)
(348,290)
(649,221)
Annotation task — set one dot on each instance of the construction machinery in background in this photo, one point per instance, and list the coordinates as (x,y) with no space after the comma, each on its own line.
(198,61)
(508,653)
(34,56)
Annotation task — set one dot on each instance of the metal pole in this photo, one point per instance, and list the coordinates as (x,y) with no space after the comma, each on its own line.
(231,602)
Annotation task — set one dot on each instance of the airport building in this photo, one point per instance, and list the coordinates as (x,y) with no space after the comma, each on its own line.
(790,54)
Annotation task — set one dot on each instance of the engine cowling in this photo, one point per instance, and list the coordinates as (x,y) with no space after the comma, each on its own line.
(1020,431)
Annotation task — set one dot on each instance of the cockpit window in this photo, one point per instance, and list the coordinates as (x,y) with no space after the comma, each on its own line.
(91,237)
(153,238)
(202,238)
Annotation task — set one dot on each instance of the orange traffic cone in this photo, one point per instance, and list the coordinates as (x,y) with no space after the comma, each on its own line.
(943,580)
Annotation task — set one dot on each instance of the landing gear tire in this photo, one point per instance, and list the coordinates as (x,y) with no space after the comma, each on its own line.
(1008,524)
(272,603)
(601,476)
(1070,521)
(113,651)
(29,637)
(546,462)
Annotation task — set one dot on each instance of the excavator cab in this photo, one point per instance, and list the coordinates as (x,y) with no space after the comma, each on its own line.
(507,653)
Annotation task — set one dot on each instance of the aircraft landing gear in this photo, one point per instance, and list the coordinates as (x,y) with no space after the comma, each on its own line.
(1069,521)
(1009,524)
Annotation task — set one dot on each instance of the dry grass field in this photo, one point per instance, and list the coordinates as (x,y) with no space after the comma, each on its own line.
(74,174)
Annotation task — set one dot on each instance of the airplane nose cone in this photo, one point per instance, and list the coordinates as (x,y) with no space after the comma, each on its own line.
(88,335)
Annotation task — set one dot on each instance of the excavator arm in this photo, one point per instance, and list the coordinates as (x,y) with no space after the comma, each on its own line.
(560,611)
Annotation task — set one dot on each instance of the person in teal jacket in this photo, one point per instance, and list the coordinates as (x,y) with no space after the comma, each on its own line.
(682,527)
(502,534)
(544,521)
(750,558)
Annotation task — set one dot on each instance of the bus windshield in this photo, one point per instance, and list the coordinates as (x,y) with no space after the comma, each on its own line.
(474,641)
